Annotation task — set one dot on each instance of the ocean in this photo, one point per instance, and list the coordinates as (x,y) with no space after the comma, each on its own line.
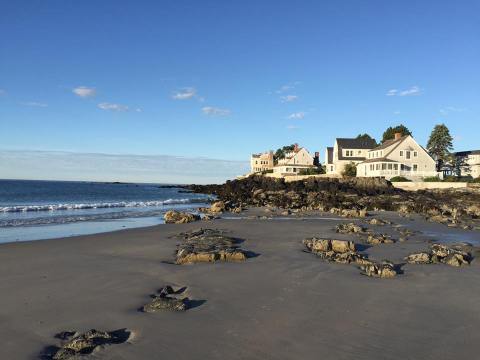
(35,210)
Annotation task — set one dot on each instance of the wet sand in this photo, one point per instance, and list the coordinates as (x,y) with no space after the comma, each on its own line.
(282,304)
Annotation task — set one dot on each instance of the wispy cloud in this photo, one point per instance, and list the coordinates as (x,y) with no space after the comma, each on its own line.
(287,87)
(84,92)
(214,111)
(297,115)
(451,109)
(3,92)
(288,98)
(293,127)
(396,112)
(34,104)
(413,91)
(185,94)
(112,107)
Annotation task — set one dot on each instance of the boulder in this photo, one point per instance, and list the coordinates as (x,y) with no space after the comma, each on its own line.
(217,207)
(349,228)
(178,217)
(323,245)
(441,254)
(376,239)
(381,270)
(208,245)
(86,343)
(419,258)
(167,299)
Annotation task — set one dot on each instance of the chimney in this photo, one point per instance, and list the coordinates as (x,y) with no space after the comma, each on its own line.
(398,135)
(295,147)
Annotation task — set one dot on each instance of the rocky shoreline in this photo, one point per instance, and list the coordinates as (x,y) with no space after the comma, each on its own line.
(349,196)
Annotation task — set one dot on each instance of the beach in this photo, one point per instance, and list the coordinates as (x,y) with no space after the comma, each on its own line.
(281,303)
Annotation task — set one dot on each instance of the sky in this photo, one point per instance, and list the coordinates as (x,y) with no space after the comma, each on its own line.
(222,79)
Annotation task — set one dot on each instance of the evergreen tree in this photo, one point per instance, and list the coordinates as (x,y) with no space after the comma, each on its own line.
(389,134)
(440,144)
(350,170)
(366,137)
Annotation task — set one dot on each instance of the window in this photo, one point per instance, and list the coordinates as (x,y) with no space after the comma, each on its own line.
(415,167)
(395,166)
(384,166)
(415,154)
(390,166)
(401,153)
(377,166)
(331,168)
(359,152)
(407,154)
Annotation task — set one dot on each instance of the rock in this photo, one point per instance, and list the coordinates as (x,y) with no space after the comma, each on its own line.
(349,228)
(286,212)
(166,300)
(237,210)
(419,258)
(441,254)
(208,245)
(82,344)
(376,239)
(217,207)
(378,222)
(322,245)
(382,270)
(178,217)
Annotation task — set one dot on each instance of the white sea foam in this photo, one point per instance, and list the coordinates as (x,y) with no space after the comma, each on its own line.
(103,205)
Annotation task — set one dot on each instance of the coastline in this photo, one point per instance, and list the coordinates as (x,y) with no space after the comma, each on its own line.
(281,304)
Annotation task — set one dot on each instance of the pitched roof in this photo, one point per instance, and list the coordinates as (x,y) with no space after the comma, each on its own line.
(466,153)
(390,142)
(356,143)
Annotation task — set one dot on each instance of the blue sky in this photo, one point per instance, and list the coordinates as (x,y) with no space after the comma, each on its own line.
(222,79)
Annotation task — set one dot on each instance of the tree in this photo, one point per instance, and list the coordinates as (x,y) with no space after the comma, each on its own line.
(350,170)
(389,134)
(366,137)
(280,153)
(457,164)
(440,144)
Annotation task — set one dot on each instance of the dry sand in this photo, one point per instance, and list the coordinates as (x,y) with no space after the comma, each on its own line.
(283,304)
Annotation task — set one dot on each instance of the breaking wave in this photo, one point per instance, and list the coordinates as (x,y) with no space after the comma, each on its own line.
(103,205)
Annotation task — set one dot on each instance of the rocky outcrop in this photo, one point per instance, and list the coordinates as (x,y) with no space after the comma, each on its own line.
(208,245)
(178,217)
(339,251)
(381,270)
(441,254)
(376,239)
(167,299)
(352,197)
(82,344)
(378,222)
(350,228)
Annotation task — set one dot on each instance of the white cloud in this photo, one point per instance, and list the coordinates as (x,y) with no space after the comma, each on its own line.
(293,127)
(34,103)
(84,91)
(185,94)
(288,98)
(450,109)
(214,111)
(297,115)
(112,107)
(285,88)
(138,110)
(396,112)
(413,91)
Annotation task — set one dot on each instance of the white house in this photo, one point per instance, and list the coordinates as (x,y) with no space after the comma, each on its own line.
(261,162)
(401,156)
(346,151)
(295,161)
(472,158)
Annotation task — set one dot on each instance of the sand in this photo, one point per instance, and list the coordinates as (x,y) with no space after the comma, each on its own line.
(282,304)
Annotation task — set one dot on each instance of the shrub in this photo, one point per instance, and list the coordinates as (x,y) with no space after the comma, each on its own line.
(467,178)
(477,180)
(399,179)
(269,171)
(311,171)
(350,170)
(431,179)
